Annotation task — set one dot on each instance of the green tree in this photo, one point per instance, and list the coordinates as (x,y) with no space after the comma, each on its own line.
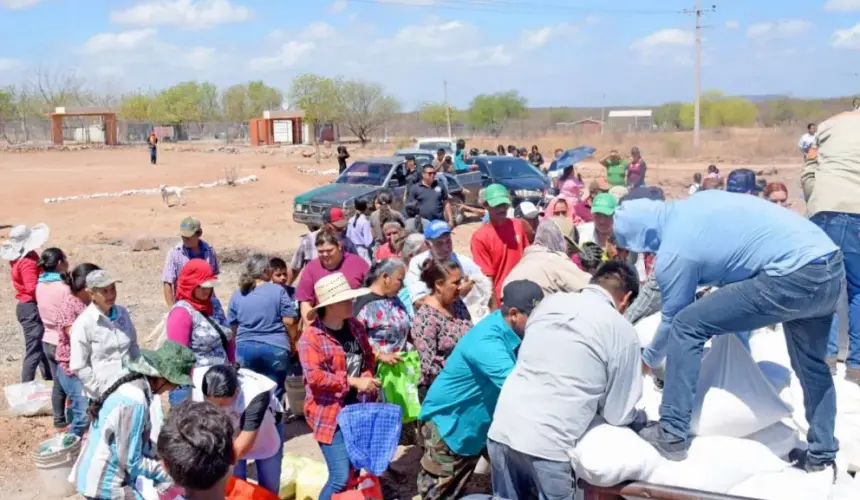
(242,102)
(318,97)
(492,111)
(236,105)
(365,107)
(560,115)
(187,102)
(137,107)
(263,98)
(720,111)
(669,115)
(7,110)
(434,114)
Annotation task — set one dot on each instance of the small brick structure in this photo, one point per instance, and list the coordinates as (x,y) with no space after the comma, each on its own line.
(262,130)
(107,114)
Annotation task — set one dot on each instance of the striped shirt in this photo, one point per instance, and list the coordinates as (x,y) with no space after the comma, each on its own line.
(118,448)
(179,255)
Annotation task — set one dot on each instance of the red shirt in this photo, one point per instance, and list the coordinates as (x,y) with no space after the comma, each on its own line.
(351,266)
(25,277)
(583,211)
(385,252)
(497,249)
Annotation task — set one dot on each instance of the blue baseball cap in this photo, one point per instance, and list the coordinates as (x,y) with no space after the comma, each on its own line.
(742,180)
(436,229)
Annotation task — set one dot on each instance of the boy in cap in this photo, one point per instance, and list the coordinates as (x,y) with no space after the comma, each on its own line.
(459,406)
(742,181)
(192,246)
(498,246)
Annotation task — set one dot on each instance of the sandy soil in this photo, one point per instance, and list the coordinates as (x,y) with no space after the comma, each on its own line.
(118,234)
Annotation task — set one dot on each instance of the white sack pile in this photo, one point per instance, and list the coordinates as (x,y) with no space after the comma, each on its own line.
(747,417)
(136,192)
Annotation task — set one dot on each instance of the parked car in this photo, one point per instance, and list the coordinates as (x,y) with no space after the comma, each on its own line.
(365,178)
(434,144)
(421,156)
(523,180)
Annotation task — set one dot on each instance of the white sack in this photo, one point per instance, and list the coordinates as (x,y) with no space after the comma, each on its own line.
(647,328)
(607,455)
(789,484)
(733,398)
(717,464)
(779,438)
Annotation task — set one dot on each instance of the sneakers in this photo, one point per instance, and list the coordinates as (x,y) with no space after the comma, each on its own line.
(669,446)
(853,375)
(831,363)
(800,459)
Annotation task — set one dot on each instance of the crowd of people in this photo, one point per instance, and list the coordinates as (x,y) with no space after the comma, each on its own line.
(521,344)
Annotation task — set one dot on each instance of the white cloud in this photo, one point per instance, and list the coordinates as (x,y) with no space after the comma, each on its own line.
(533,39)
(114,42)
(593,19)
(848,38)
(9,64)
(669,45)
(290,54)
(338,6)
(732,25)
(779,29)
(319,30)
(430,34)
(842,6)
(18,4)
(411,2)
(182,13)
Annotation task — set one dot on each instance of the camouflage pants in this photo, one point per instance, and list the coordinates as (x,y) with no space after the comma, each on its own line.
(443,474)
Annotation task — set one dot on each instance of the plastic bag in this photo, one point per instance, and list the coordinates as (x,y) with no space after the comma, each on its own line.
(29,399)
(238,489)
(291,468)
(371,433)
(400,384)
(311,481)
(364,487)
(477,301)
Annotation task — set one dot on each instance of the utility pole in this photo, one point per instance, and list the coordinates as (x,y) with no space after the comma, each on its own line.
(447,108)
(602,113)
(697,117)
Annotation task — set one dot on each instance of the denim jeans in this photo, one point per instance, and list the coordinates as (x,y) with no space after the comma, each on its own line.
(153,154)
(803,301)
(844,230)
(338,464)
(74,389)
(58,394)
(28,317)
(178,395)
(265,359)
(268,469)
(517,475)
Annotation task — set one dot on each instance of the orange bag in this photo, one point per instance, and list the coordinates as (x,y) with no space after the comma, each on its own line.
(363,487)
(238,489)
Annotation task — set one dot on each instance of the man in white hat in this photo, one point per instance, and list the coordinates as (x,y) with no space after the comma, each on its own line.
(20,250)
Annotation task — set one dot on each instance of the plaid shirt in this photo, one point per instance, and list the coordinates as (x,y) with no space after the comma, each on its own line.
(326,385)
(178,256)
(307,250)
(647,302)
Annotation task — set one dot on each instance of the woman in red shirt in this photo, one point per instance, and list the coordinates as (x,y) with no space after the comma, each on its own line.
(20,250)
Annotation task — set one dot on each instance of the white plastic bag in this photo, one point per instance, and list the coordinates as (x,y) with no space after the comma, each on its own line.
(789,484)
(478,299)
(733,398)
(607,455)
(29,399)
(779,439)
(647,328)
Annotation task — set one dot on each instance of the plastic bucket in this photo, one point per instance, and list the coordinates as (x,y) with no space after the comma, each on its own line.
(295,390)
(54,463)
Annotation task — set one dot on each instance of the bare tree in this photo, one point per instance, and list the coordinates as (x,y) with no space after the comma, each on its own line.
(365,107)
(58,87)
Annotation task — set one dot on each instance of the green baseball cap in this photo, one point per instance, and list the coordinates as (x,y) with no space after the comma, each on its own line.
(604,204)
(172,362)
(496,195)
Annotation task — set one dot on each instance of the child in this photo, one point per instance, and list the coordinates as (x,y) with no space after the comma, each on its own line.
(697,183)
(196,447)
(713,172)
(414,222)
(280,275)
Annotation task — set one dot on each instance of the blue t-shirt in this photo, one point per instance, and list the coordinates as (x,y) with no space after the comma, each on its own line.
(460,161)
(259,314)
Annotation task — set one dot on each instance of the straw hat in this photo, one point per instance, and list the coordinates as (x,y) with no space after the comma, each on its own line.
(23,239)
(335,288)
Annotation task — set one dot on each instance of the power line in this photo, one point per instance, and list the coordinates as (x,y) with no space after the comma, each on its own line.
(519,8)
(697,116)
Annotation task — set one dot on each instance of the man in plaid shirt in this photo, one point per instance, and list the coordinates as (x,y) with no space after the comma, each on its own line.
(191,247)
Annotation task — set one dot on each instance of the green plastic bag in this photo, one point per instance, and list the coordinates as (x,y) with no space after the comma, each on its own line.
(400,384)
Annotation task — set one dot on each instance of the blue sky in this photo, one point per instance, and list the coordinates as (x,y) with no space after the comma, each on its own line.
(554,52)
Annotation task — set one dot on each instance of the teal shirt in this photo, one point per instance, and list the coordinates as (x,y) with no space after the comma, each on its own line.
(463,397)
(460,161)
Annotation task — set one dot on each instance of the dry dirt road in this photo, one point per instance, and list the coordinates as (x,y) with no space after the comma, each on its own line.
(236,220)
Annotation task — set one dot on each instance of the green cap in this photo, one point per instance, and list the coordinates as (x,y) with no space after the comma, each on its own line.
(496,195)
(172,362)
(604,204)
(189,227)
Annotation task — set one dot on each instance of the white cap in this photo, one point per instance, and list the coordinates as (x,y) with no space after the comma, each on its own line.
(529,210)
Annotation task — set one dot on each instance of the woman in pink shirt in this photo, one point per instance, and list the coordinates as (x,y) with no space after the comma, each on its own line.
(51,292)
(70,308)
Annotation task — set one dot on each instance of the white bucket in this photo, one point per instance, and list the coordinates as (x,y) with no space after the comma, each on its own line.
(55,467)
(295,390)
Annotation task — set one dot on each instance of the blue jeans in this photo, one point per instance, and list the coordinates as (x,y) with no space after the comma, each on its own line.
(268,469)
(178,395)
(803,301)
(516,475)
(844,230)
(74,390)
(338,464)
(267,360)
(153,154)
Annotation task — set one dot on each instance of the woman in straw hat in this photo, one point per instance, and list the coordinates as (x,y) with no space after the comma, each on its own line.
(118,450)
(20,250)
(338,364)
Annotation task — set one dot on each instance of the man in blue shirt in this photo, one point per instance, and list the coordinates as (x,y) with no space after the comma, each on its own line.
(771,266)
(459,406)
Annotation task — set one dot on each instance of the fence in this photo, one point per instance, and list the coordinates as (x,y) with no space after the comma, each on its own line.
(91,130)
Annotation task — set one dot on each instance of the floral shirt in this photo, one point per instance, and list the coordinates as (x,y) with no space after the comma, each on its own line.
(67,313)
(435,336)
(386,321)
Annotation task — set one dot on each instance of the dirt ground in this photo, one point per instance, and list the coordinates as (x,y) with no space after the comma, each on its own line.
(130,236)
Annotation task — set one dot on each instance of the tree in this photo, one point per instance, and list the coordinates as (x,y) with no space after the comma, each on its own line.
(720,111)
(318,97)
(491,112)
(137,107)
(365,107)
(434,114)
(263,98)
(187,102)
(560,115)
(58,88)
(7,111)
(243,102)
(669,115)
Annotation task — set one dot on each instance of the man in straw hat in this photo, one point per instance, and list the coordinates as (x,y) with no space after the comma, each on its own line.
(20,250)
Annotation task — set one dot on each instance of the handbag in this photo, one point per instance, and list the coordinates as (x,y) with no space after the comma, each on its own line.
(363,487)
(400,384)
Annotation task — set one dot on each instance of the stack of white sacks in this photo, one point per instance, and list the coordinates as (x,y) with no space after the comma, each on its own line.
(748,416)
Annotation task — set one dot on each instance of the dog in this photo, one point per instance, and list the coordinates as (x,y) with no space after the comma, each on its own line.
(168,191)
